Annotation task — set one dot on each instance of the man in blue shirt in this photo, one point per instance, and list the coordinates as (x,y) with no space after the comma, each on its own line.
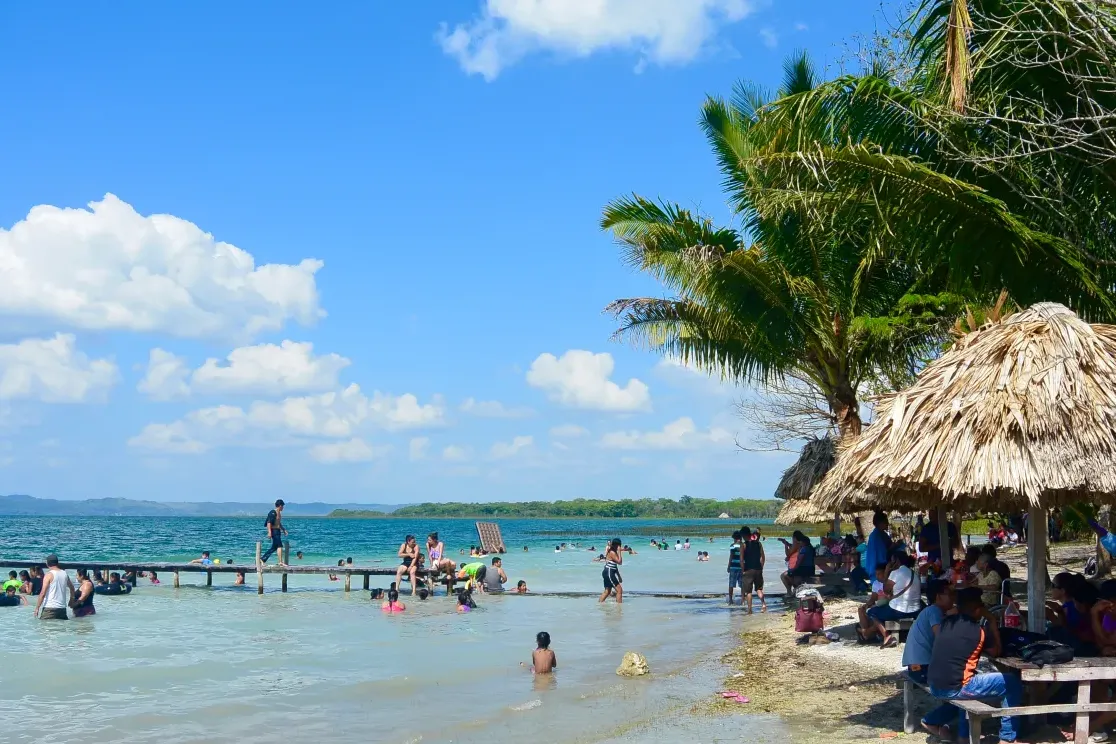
(928,541)
(920,639)
(877,552)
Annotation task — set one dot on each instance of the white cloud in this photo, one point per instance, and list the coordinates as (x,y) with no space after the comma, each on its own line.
(580,379)
(166,375)
(680,434)
(418,448)
(504,450)
(353,450)
(109,268)
(52,370)
(801,27)
(770,38)
(264,369)
(334,415)
(493,409)
(661,31)
(454,453)
(568,431)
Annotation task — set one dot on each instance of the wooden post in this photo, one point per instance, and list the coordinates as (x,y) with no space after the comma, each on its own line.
(909,717)
(348,581)
(135,578)
(176,579)
(1104,560)
(209,578)
(285,557)
(837,524)
(365,582)
(259,570)
(1036,571)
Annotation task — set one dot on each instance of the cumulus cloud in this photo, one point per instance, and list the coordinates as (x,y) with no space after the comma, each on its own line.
(680,434)
(334,415)
(264,369)
(52,370)
(504,450)
(568,431)
(493,409)
(418,448)
(580,379)
(454,453)
(660,31)
(110,268)
(770,38)
(353,450)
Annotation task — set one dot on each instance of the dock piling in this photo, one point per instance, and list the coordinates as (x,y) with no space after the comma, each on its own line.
(348,581)
(365,582)
(285,557)
(209,578)
(176,579)
(259,570)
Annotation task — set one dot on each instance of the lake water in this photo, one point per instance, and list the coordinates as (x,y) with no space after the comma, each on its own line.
(218,664)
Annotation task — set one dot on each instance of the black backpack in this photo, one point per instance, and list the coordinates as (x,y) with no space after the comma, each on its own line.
(1042,653)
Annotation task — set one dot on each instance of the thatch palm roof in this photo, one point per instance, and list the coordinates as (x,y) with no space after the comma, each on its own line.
(802,511)
(1018,414)
(815,460)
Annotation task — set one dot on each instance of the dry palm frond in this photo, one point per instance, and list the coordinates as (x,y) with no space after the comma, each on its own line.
(1018,414)
(817,457)
(995,314)
(957,59)
(800,511)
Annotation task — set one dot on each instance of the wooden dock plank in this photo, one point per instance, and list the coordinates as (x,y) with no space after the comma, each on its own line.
(131,565)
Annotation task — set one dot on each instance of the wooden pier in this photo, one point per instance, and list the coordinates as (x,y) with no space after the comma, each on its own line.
(259,568)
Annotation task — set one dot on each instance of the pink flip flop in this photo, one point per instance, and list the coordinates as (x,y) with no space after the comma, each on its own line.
(730,694)
(741,699)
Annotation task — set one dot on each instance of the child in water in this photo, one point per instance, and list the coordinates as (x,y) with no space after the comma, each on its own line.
(465,602)
(393,604)
(543,660)
(521,587)
(239,579)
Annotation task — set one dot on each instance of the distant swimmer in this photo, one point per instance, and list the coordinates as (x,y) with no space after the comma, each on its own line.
(393,604)
(521,587)
(543,660)
(205,560)
(614,558)
(239,578)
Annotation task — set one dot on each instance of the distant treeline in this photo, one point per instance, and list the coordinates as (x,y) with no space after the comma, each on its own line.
(684,508)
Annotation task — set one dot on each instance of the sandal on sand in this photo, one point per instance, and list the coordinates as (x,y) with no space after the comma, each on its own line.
(942,733)
(891,642)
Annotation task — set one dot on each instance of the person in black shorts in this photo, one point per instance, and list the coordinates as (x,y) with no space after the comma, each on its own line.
(275,530)
(614,557)
(753,559)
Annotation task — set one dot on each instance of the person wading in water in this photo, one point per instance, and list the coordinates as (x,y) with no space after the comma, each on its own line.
(56,594)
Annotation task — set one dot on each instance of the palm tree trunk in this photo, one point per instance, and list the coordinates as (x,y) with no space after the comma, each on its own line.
(846,408)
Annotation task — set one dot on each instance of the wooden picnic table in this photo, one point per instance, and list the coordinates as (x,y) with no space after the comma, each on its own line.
(1083,671)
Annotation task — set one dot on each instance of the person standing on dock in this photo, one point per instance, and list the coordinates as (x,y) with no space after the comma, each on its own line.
(275,530)
(57,592)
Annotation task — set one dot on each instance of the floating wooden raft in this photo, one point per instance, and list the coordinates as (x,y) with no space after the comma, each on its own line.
(490,538)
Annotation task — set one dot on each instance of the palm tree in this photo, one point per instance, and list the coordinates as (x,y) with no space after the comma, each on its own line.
(827,309)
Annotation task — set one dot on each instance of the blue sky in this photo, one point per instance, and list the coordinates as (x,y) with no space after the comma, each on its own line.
(378,222)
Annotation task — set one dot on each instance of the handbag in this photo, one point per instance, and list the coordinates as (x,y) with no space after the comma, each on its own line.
(1042,653)
(809,619)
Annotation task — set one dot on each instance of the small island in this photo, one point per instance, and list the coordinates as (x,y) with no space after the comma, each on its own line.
(683,508)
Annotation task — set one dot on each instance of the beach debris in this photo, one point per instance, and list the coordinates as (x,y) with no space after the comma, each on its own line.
(633,665)
(735,697)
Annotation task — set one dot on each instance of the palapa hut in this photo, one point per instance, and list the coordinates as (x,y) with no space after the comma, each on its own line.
(1020,414)
(815,460)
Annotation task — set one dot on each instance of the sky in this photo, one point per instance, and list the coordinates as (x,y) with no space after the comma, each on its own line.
(351,252)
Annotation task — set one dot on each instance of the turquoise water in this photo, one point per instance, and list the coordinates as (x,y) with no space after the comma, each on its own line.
(202,665)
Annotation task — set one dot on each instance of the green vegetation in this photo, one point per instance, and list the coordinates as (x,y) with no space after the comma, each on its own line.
(357,514)
(684,508)
(874,208)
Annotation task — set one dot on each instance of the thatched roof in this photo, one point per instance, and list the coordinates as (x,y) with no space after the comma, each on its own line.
(801,511)
(1016,414)
(815,460)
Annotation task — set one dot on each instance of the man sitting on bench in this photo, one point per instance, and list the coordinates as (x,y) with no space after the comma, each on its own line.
(961,640)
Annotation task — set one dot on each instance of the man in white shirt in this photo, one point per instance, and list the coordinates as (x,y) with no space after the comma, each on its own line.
(57,591)
(904,592)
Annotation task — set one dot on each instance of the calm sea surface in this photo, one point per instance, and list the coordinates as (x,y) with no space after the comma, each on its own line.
(223,664)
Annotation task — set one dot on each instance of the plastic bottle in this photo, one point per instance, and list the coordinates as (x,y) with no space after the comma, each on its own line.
(1012,618)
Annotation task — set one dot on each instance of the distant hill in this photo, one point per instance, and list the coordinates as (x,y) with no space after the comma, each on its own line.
(18,505)
(684,508)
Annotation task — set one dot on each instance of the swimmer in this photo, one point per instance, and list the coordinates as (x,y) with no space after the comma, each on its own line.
(333,577)
(473,574)
(239,579)
(521,587)
(299,555)
(599,559)
(204,560)
(543,660)
(393,604)
(465,602)
(10,598)
(154,577)
(82,601)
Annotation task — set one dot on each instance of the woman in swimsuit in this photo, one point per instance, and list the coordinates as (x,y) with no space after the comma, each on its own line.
(393,604)
(436,549)
(614,557)
(83,598)
(408,553)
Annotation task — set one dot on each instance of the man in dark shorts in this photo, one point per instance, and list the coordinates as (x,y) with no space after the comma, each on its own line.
(275,530)
(752,561)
